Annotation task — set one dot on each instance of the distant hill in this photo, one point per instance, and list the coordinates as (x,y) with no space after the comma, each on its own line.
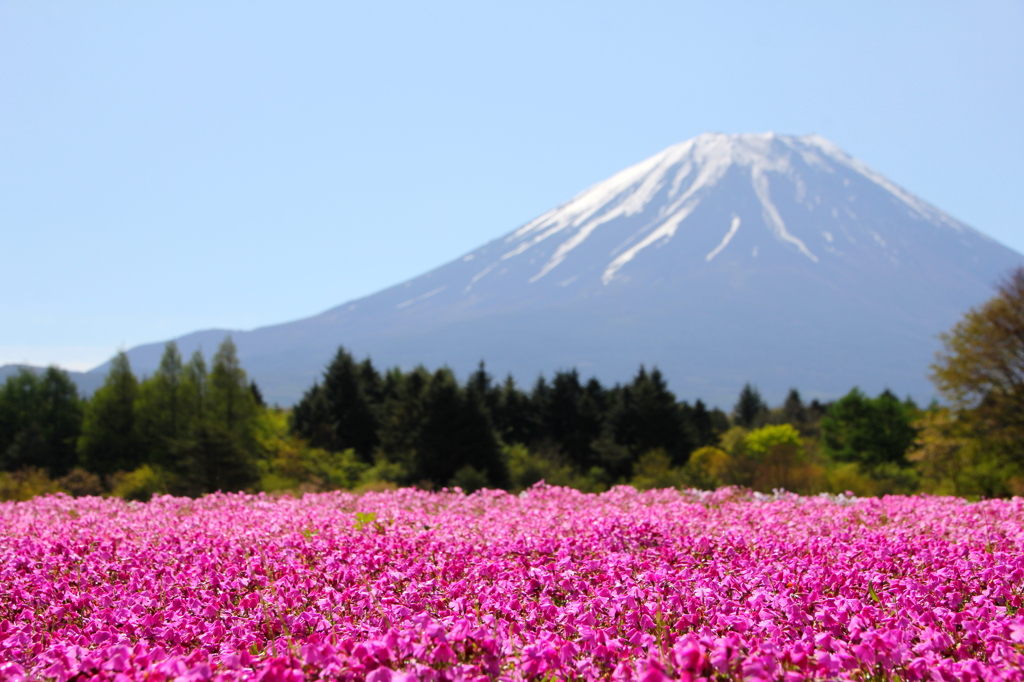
(86,382)
(728,258)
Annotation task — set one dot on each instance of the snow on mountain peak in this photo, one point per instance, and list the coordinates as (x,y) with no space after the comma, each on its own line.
(723,259)
(678,179)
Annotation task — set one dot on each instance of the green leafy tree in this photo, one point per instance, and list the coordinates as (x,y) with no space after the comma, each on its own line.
(953,460)
(869,431)
(980,368)
(110,439)
(760,441)
(40,422)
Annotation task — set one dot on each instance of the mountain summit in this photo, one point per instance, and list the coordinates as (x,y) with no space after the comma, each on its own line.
(766,258)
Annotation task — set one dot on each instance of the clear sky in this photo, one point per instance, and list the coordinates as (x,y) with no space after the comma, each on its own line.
(167,167)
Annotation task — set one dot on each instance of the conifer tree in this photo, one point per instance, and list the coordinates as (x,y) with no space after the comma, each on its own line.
(456,433)
(216,448)
(793,409)
(515,417)
(40,421)
(703,428)
(573,417)
(160,408)
(194,391)
(401,416)
(481,386)
(110,439)
(869,431)
(232,406)
(649,418)
(339,413)
(749,407)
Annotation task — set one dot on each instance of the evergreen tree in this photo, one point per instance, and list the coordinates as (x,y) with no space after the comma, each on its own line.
(159,408)
(340,414)
(257,394)
(793,410)
(748,407)
(212,445)
(182,455)
(479,385)
(211,459)
(110,439)
(648,418)
(704,433)
(232,406)
(456,433)
(401,417)
(310,417)
(194,391)
(40,421)
(573,417)
(515,417)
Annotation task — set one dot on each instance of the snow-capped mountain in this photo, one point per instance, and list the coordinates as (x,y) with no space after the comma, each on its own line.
(728,258)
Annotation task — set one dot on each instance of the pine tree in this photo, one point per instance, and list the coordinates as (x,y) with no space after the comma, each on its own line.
(160,409)
(793,409)
(257,394)
(573,417)
(649,418)
(40,421)
(401,416)
(456,433)
(703,428)
(748,407)
(339,413)
(110,439)
(215,446)
(479,385)
(515,417)
(232,406)
(194,391)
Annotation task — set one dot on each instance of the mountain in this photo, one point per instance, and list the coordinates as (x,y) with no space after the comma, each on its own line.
(766,258)
(86,382)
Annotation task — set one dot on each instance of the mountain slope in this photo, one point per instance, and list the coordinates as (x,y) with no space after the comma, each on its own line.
(727,258)
(86,382)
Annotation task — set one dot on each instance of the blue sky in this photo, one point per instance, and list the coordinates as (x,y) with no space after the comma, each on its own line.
(167,167)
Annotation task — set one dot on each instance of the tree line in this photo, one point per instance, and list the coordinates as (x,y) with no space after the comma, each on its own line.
(189,429)
(430,430)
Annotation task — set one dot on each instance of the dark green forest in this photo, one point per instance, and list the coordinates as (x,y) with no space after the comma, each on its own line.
(190,429)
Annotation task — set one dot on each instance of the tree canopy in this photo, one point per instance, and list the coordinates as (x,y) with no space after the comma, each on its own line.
(869,431)
(40,421)
(981,365)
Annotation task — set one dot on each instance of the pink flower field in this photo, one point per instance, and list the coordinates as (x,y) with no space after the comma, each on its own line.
(552,584)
